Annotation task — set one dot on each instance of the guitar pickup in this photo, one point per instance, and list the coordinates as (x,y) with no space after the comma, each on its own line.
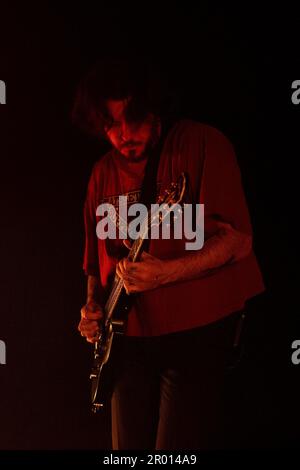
(118,326)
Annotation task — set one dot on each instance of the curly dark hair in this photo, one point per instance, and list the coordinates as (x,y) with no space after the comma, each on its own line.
(117,80)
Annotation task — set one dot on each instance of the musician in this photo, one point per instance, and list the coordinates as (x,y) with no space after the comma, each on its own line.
(168,390)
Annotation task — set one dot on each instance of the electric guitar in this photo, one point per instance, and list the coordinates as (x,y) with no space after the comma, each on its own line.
(118,305)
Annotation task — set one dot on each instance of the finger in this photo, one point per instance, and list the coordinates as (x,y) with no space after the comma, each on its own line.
(121,265)
(128,285)
(92,339)
(87,314)
(136,286)
(126,264)
(92,316)
(120,271)
(91,334)
(131,267)
(89,326)
(132,288)
(133,278)
(85,322)
(92,306)
(138,272)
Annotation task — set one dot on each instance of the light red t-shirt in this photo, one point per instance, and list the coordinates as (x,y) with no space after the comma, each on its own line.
(208,159)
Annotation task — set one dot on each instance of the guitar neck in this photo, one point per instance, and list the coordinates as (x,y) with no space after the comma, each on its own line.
(118,283)
(173,196)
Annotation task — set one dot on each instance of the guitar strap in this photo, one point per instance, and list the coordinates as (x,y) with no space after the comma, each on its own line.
(149,184)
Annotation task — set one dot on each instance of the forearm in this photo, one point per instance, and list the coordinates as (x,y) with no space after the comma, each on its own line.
(226,246)
(93,289)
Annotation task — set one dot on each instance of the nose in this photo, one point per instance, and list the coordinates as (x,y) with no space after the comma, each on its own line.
(127,131)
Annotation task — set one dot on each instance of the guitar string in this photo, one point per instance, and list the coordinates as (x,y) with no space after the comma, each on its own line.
(113,298)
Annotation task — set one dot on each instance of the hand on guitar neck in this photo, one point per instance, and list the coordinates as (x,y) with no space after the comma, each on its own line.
(89,326)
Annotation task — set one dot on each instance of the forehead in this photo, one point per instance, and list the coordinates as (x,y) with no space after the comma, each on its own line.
(116,108)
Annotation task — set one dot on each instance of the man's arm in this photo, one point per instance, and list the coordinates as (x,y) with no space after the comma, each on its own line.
(92,311)
(93,291)
(227,245)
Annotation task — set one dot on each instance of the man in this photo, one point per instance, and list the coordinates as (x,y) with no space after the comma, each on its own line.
(172,360)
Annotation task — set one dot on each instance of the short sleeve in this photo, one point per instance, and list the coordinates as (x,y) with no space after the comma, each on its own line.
(221,187)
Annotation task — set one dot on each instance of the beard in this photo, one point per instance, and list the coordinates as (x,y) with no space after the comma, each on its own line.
(135,154)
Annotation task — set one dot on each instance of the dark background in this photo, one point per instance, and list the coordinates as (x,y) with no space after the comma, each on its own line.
(233,69)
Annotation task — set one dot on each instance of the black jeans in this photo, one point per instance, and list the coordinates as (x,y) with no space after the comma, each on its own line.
(168,391)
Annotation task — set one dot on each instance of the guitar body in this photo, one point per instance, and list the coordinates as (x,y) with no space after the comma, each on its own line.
(100,375)
(101,355)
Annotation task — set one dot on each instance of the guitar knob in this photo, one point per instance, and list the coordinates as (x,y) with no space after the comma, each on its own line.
(96,407)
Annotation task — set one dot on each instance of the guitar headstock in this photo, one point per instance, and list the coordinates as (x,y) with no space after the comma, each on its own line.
(170,199)
(174,193)
(165,204)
